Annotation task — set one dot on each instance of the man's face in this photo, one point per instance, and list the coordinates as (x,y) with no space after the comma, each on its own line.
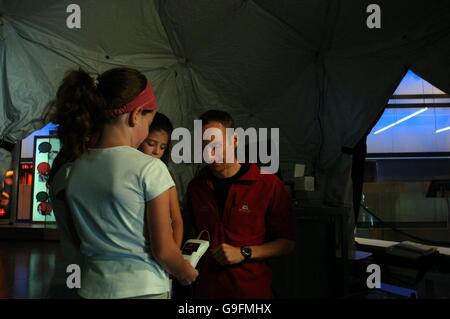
(217,146)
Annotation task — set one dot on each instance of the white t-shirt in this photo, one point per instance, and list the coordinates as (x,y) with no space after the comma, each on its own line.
(70,250)
(107,192)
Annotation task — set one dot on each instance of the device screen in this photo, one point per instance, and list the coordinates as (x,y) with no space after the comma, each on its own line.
(190,248)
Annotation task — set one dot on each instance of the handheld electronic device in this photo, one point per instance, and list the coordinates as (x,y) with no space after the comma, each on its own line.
(194,249)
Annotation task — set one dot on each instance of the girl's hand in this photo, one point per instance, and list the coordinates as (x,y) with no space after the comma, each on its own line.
(190,276)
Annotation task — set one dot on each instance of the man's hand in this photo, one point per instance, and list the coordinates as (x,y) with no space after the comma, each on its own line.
(227,255)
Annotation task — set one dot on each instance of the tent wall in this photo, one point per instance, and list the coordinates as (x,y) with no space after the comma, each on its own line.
(312,68)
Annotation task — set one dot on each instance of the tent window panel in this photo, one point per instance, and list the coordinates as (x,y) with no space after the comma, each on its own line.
(414,131)
(414,84)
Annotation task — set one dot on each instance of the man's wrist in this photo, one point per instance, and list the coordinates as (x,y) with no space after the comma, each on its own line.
(246,252)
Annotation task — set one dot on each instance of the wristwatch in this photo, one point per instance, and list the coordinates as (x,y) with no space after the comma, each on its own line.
(246,252)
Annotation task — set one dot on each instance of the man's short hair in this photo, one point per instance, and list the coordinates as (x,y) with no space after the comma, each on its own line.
(221,117)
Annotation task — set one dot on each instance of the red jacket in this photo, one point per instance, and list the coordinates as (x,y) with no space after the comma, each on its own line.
(257,210)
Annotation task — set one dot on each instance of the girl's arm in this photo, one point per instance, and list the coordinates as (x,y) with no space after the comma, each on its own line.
(175,216)
(164,248)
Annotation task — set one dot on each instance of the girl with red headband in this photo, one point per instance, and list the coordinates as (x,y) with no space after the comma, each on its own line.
(118,197)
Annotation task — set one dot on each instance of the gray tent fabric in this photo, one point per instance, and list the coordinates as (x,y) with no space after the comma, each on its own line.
(311,68)
(5,162)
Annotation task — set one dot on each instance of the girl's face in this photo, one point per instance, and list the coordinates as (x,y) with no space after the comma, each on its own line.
(155,144)
(138,121)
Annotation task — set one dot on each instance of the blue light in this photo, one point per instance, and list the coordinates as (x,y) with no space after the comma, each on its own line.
(425,132)
(443,129)
(403,119)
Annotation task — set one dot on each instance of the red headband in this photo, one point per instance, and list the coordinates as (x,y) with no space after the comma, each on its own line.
(146,99)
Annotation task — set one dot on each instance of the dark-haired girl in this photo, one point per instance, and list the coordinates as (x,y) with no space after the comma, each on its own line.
(157,144)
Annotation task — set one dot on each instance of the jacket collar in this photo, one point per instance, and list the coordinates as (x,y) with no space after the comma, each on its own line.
(252,174)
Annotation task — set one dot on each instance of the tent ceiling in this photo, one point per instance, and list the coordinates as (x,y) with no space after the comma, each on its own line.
(310,67)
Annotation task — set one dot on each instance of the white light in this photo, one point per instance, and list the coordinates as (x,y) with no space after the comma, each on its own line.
(443,129)
(401,120)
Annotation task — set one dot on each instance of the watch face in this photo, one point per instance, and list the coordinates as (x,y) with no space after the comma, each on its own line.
(247,252)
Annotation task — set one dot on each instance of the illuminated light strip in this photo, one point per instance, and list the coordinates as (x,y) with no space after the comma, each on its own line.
(401,120)
(443,129)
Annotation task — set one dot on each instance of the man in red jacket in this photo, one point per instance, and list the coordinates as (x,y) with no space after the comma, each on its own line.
(249,217)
